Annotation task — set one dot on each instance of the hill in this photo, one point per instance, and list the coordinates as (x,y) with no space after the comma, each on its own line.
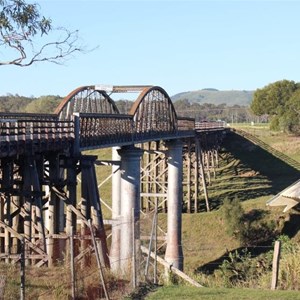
(214,96)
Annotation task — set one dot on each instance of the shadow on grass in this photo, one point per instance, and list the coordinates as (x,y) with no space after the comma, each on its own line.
(279,172)
(256,173)
(290,228)
(255,251)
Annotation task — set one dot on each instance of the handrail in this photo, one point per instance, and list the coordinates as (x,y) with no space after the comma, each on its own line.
(87,131)
(211,125)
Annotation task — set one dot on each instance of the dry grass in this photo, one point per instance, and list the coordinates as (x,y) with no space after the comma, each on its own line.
(55,283)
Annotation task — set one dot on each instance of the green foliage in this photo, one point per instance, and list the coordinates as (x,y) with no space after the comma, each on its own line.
(21,23)
(13,103)
(289,267)
(16,103)
(233,216)
(212,112)
(237,268)
(216,97)
(281,101)
(19,20)
(44,104)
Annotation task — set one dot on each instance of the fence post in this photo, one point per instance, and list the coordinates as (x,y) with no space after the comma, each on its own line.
(22,270)
(2,286)
(72,262)
(275,266)
(98,259)
(134,277)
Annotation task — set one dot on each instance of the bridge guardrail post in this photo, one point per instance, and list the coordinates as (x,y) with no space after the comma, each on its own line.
(76,120)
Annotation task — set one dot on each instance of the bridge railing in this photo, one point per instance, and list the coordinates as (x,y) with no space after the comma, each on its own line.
(100,129)
(23,131)
(94,130)
(28,116)
(186,123)
(204,126)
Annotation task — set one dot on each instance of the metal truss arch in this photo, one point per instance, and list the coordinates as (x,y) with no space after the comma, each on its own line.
(153,111)
(86,99)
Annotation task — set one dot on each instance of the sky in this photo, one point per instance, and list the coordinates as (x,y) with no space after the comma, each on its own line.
(178,45)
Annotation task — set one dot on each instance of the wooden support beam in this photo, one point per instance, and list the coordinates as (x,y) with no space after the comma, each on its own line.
(171,267)
(202,174)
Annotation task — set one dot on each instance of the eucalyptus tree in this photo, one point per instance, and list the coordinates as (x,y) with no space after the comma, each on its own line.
(279,100)
(27,37)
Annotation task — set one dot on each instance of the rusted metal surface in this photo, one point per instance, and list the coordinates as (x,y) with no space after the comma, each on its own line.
(27,136)
(129,88)
(153,112)
(97,130)
(204,126)
(86,99)
(27,116)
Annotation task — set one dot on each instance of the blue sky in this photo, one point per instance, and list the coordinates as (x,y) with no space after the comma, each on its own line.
(179,45)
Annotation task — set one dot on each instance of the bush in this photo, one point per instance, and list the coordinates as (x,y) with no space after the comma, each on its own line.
(289,265)
(233,215)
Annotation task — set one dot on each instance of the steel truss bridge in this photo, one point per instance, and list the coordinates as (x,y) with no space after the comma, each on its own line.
(159,159)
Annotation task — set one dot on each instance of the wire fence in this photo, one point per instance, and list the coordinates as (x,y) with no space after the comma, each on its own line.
(60,281)
(85,281)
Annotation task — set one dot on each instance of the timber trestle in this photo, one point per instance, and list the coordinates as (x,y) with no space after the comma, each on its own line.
(48,185)
(39,204)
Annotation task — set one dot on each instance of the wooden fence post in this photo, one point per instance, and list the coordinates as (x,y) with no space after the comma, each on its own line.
(98,259)
(72,262)
(275,266)
(22,269)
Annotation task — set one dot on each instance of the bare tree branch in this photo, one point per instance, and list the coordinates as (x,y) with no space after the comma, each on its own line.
(20,24)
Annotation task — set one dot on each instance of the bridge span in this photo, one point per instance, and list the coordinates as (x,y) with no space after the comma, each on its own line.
(160,162)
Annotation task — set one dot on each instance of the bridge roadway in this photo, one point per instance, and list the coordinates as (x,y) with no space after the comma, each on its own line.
(41,156)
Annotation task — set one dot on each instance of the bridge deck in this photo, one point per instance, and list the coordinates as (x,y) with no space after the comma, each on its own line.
(31,133)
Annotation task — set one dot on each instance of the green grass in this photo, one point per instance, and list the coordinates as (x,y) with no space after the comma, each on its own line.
(184,292)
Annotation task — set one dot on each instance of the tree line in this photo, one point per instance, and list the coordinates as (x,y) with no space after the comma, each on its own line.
(212,112)
(16,103)
(281,102)
(203,112)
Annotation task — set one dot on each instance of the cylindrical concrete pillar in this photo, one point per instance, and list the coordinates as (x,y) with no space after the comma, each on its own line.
(130,200)
(174,254)
(116,211)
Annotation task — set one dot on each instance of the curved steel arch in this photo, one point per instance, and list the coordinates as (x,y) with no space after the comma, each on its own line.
(86,99)
(153,111)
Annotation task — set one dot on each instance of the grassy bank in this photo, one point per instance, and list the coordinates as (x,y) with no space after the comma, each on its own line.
(175,292)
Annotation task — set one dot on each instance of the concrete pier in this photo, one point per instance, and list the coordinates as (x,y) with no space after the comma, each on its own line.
(174,254)
(130,201)
(116,210)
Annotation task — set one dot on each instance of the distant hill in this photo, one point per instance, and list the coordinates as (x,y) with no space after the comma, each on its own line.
(214,96)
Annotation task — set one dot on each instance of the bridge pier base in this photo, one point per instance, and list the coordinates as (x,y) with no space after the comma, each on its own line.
(174,254)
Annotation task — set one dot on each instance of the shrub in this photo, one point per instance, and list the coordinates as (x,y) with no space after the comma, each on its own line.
(233,216)
(289,265)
